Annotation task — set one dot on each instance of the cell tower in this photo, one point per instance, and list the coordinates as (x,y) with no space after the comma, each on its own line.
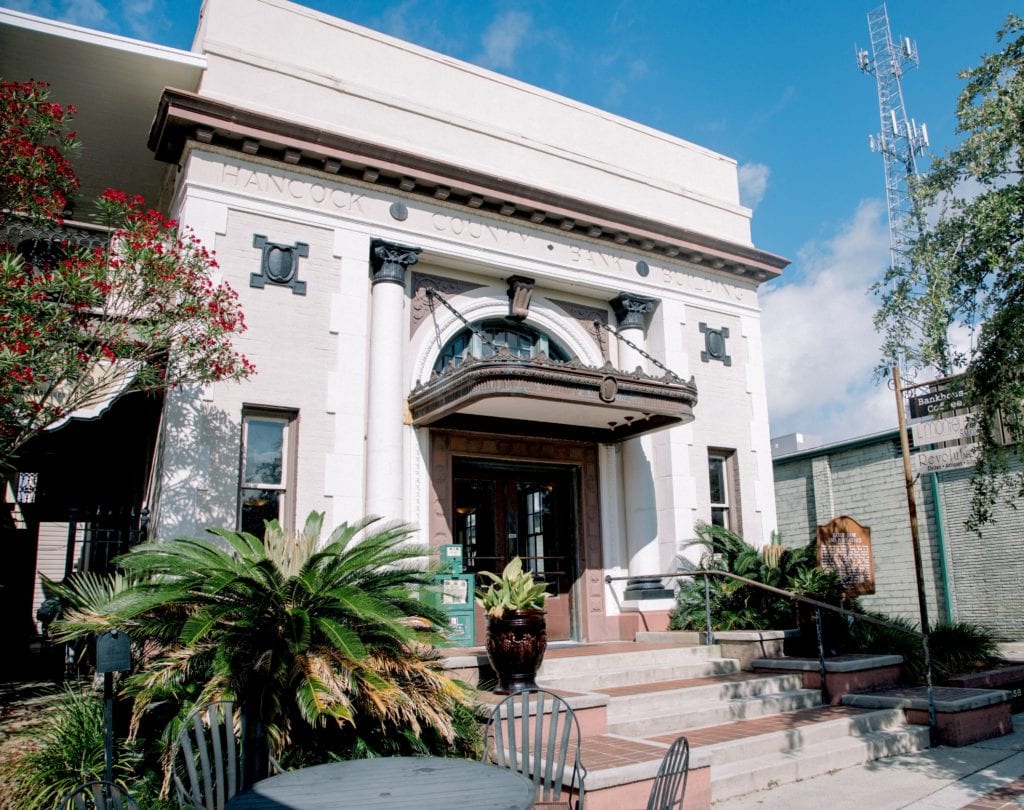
(900,140)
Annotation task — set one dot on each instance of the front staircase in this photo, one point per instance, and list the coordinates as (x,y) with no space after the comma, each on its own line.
(747,731)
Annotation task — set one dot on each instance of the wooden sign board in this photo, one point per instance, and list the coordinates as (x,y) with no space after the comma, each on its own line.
(845,545)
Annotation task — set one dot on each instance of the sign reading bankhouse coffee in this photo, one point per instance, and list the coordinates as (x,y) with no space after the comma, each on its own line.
(845,545)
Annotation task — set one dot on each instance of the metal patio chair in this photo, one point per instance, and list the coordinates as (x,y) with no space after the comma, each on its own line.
(670,784)
(536,733)
(98,795)
(208,762)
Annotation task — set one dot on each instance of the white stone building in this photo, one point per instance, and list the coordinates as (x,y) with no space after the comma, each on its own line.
(515,321)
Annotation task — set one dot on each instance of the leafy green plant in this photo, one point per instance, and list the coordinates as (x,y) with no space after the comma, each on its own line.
(513,590)
(955,648)
(63,750)
(738,606)
(326,641)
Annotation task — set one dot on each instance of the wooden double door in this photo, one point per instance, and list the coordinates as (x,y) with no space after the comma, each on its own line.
(503,510)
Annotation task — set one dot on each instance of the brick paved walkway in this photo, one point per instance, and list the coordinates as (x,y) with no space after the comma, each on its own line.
(1004,798)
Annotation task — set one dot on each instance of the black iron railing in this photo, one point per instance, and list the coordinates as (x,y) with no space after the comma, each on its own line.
(818,606)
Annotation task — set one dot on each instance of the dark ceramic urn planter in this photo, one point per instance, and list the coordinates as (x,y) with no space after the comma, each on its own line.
(515,648)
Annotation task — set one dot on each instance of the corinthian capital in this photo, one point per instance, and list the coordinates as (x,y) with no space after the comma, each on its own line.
(390,260)
(632,310)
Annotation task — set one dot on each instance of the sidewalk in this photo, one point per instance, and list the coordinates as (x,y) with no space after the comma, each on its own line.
(983,776)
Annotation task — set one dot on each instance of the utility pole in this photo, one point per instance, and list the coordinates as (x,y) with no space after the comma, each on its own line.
(908,476)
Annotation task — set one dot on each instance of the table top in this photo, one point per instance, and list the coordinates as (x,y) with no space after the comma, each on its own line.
(423,783)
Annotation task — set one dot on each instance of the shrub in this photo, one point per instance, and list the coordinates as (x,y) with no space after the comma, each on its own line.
(738,606)
(325,640)
(955,648)
(64,750)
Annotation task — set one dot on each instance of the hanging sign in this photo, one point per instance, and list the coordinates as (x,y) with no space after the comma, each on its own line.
(947,458)
(845,545)
(950,429)
(936,403)
(113,652)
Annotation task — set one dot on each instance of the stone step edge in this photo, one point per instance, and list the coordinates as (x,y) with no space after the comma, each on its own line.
(663,675)
(704,687)
(724,772)
(475,657)
(767,697)
(601,778)
(888,721)
(624,662)
(703,756)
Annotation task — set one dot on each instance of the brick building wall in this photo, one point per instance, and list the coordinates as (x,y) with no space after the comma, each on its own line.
(966,578)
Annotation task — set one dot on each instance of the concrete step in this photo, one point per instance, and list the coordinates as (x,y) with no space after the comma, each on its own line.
(681,695)
(591,661)
(715,714)
(804,736)
(587,677)
(749,774)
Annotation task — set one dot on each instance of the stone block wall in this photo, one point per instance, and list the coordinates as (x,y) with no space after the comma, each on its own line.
(966,577)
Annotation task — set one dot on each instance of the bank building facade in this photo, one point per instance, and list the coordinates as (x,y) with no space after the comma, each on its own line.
(523,325)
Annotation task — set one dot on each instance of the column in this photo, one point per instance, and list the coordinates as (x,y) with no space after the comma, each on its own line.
(641,513)
(385,458)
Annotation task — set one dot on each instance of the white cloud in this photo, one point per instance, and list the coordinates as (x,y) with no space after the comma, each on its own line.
(821,347)
(143,18)
(753,183)
(503,38)
(84,12)
(41,8)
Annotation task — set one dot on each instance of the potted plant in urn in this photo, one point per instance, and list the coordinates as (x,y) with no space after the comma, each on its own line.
(516,630)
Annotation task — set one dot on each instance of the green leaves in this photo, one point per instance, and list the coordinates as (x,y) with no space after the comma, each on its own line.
(965,284)
(513,590)
(318,635)
(80,324)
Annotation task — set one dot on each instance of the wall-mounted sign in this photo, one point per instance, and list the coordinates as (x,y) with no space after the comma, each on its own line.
(845,545)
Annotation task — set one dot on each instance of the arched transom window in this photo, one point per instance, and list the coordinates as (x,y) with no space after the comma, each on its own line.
(523,341)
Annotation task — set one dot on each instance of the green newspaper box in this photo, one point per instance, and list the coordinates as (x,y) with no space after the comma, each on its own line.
(453,593)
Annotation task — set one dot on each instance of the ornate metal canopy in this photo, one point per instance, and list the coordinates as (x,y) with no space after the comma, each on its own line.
(505,393)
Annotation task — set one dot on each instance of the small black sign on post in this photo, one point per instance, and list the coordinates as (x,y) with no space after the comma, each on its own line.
(113,654)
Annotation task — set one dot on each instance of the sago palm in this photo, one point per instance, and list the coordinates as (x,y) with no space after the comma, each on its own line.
(328,644)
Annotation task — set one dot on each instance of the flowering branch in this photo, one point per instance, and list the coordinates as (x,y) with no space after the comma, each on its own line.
(79,325)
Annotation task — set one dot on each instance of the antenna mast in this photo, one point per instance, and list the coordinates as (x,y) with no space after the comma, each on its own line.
(900,141)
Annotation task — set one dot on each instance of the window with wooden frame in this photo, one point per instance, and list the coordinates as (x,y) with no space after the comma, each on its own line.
(267,476)
(723,486)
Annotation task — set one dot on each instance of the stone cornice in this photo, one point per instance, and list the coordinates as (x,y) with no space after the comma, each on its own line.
(184,116)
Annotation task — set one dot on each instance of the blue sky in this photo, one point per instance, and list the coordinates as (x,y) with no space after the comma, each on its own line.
(772,84)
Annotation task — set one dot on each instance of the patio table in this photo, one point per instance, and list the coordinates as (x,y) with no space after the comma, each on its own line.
(422,783)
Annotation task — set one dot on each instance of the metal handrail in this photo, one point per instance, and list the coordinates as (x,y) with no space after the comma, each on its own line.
(818,607)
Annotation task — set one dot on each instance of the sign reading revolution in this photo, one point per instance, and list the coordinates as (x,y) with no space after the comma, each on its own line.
(845,545)
(947,458)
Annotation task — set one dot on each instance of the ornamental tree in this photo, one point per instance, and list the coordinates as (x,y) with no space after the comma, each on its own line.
(137,311)
(36,178)
(967,271)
